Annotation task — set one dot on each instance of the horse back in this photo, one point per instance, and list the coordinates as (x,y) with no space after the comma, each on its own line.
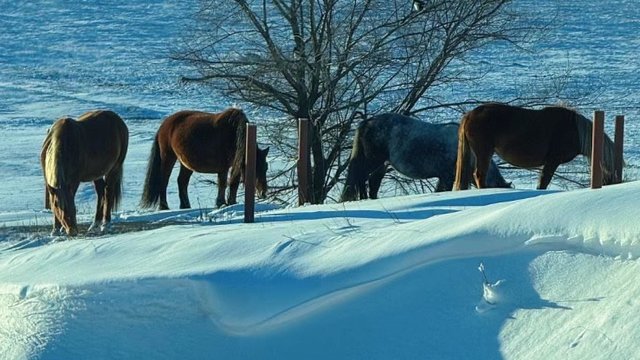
(413,147)
(203,142)
(104,139)
(523,137)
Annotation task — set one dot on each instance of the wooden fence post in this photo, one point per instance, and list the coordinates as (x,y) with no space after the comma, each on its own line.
(618,146)
(597,138)
(303,161)
(250,174)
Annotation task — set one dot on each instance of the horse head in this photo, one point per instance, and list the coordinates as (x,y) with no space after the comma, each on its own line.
(261,172)
(609,173)
(64,208)
(495,179)
(349,193)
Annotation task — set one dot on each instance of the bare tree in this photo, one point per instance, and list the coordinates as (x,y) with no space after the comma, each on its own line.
(327,59)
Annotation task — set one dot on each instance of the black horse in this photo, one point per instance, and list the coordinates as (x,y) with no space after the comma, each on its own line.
(415,148)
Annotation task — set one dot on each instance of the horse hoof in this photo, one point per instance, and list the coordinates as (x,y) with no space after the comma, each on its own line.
(106,227)
(93,228)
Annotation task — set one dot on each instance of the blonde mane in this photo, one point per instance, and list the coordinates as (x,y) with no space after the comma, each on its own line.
(54,174)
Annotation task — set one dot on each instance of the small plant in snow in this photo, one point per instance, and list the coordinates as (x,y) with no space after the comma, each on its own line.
(490,292)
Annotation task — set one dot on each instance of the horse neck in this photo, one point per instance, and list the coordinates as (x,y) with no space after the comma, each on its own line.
(585,133)
(240,123)
(585,129)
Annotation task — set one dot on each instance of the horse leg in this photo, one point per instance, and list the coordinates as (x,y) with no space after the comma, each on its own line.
(375,179)
(222,187)
(99,185)
(168,160)
(73,188)
(482,168)
(362,189)
(445,183)
(547,173)
(234,183)
(57,225)
(111,182)
(183,183)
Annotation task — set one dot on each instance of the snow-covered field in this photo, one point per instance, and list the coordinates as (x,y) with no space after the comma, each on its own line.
(388,279)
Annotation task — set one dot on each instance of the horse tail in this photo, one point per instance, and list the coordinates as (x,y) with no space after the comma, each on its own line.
(238,117)
(43,157)
(354,170)
(116,173)
(463,161)
(153,179)
(115,193)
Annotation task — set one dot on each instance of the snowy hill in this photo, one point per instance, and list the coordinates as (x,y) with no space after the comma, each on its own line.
(392,278)
(396,278)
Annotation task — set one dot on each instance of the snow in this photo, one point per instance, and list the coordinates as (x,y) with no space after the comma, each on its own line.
(395,278)
(390,278)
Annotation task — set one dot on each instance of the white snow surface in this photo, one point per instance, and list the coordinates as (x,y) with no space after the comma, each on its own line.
(395,278)
(379,279)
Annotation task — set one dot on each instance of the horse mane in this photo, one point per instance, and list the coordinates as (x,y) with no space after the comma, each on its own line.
(585,131)
(238,118)
(58,161)
(59,143)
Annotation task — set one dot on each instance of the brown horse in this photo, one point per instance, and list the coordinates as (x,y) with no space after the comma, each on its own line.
(525,138)
(205,143)
(90,149)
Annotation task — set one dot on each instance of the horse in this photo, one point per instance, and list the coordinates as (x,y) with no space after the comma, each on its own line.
(525,138)
(415,148)
(205,143)
(93,148)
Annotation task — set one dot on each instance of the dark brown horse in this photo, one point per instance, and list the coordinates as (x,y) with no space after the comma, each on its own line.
(205,143)
(90,149)
(525,138)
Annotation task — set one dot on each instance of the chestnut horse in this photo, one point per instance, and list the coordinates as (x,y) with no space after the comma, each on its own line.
(90,149)
(201,142)
(525,138)
(415,148)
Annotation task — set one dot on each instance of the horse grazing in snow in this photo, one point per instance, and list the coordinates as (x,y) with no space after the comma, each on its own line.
(415,148)
(525,138)
(93,148)
(205,143)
